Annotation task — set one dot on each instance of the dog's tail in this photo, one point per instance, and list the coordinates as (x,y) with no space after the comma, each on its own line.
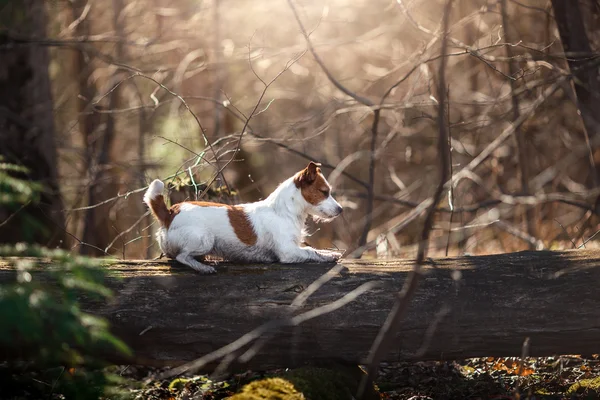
(156,202)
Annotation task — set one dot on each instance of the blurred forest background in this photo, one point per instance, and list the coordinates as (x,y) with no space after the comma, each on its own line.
(97,98)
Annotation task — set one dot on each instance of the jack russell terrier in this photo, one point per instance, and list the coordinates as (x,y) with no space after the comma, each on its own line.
(266,231)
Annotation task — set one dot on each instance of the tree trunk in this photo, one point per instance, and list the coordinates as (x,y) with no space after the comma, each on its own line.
(27,126)
(519,134)
(465,307)
(578,51)
(99,230)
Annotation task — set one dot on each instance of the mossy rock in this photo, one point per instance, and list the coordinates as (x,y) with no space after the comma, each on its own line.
(314,383)
(587,388)
(270,388)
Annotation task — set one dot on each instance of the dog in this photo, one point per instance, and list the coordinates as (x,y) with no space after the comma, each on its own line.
(270,230)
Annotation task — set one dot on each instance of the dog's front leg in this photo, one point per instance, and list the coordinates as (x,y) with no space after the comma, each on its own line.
(335,255)
(294,254)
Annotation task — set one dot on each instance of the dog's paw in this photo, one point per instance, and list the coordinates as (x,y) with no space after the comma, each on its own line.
(205,269)
(330,256)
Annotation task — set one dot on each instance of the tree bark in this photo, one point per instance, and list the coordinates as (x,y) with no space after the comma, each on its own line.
(519,134)
(99,229)
(578,51)
(465,307)
(89,122)
(27,126)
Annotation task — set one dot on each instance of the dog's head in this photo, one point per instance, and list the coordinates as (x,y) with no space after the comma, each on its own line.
(316,191)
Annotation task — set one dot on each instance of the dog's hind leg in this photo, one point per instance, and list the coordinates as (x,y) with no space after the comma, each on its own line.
(189,260)
(190,243)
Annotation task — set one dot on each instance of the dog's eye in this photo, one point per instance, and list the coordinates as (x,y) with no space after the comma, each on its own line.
(325,192)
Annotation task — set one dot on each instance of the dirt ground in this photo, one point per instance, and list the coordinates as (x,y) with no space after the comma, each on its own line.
(561,377)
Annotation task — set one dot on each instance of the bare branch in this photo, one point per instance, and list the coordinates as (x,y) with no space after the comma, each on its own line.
(506,199)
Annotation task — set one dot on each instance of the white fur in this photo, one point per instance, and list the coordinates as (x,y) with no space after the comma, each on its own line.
(154,190)
(278,223)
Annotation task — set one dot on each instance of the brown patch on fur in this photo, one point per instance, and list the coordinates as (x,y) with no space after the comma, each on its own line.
(205,204)
(160,211)
(165,215)
(237,218)
(308,175)
(315,192)
(241,225)
(312,184)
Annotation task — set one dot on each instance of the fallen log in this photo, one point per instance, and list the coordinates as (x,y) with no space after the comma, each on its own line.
(465,307)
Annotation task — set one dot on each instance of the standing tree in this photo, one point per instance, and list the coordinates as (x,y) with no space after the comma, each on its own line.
(27,124)
(99,132)
(582,64)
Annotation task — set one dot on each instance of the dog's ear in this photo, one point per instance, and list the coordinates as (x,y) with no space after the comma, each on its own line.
(313,169)
(308,175)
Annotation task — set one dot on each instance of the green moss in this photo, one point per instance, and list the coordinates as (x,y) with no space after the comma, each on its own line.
(178,384)
(589,388)
(312,383)
(270,388)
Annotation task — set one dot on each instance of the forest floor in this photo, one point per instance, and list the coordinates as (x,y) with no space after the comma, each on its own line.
(564,377)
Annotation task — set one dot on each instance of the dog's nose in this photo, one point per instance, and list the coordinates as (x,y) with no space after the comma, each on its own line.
(339,209)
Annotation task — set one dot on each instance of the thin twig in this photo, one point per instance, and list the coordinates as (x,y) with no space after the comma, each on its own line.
(451,190)
(136,223)
(371,186)
(12,215)
(524,355)
(202,130)
(252,114)
(306,156)
(533,242)
(332,79)
(566,233)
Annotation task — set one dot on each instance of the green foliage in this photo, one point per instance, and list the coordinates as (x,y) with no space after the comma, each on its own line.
(14,190)
(16,193)
(61,383)
(45,315)
(43,325)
